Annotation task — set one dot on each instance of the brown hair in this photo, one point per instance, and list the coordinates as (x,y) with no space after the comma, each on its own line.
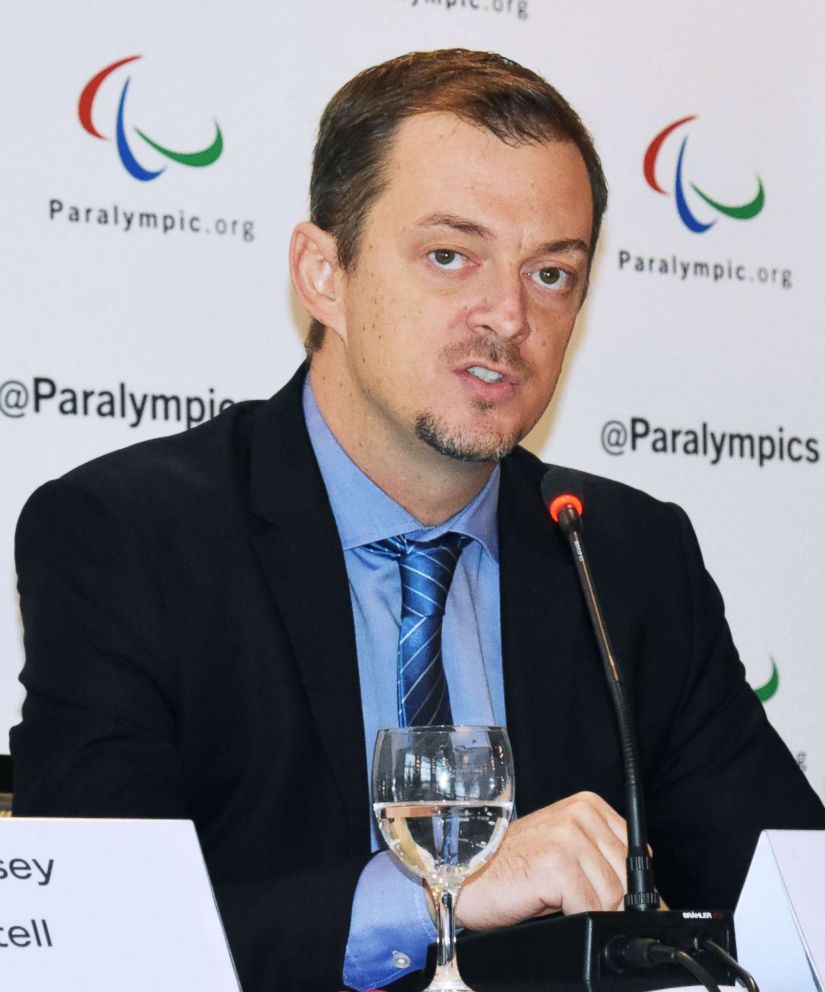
(482,88)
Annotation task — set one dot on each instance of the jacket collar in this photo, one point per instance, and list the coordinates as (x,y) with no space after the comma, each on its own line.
(300,552)
(552,677)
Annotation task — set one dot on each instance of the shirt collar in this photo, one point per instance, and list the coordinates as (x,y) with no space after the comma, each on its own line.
(365,513)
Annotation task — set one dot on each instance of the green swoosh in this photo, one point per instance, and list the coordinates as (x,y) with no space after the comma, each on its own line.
(206,156)
(764,692)
(743,212)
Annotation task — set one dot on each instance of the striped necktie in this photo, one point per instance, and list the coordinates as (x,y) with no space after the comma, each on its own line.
(427,569)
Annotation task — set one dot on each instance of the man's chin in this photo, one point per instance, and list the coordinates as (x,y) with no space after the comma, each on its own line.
(465,445)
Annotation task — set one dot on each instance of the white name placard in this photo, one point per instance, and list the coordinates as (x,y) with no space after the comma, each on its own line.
(780,919)
(88,905)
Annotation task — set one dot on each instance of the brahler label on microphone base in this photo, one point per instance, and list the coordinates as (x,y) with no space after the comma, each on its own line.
(88,905)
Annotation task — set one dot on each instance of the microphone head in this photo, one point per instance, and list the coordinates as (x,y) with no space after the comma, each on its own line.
(560,487)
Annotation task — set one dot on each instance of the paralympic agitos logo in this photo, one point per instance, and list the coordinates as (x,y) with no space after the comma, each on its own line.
(125,149)
(743,211)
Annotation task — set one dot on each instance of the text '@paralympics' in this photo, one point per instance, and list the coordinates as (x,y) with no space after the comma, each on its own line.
(700,441)
(44,395)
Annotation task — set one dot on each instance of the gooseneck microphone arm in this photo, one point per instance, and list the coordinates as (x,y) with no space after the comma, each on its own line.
(562,497)
(599,944)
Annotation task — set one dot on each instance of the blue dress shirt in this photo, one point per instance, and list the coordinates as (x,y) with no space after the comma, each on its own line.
(391,925)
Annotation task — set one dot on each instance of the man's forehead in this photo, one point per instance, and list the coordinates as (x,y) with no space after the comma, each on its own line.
(446,129)
(424,141)
(447,172)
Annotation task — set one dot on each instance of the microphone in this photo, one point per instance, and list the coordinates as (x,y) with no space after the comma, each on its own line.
(562,495)
(605,945)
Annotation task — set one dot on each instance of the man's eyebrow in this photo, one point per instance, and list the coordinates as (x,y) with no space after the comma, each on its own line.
(470,227)
(565,244)
(460,224)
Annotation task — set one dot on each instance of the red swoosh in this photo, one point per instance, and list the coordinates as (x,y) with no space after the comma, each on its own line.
(84,104)
(653,151)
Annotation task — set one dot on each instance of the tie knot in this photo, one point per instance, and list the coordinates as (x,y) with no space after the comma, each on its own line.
(427,569)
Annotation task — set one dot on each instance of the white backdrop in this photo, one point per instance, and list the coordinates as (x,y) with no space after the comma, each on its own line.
(697,356)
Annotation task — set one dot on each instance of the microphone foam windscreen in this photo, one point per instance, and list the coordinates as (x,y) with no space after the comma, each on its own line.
(560,487)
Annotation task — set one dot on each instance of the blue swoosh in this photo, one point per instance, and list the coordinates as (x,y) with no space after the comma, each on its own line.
(133,167)
(684,211)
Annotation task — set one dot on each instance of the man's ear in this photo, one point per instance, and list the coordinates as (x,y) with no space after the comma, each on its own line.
(317,275)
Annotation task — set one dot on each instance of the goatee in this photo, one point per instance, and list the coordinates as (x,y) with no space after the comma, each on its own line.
(464,445)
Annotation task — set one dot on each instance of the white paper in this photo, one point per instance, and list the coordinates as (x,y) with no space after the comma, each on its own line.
(88,905)
(780,921)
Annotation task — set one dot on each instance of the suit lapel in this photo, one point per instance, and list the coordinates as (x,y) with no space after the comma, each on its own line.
(300,552)
(548,654)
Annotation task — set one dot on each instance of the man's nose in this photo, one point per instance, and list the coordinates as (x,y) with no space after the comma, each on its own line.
(502,309)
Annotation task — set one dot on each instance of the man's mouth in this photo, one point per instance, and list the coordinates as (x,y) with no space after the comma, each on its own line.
(497,365)
(485,374)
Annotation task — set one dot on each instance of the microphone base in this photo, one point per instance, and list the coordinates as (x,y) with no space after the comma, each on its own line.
(573,949)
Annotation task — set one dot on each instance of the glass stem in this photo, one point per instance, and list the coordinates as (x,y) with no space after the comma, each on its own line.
(446,971)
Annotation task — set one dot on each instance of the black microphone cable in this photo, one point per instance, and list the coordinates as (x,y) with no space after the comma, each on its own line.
(645,952)
(730,962)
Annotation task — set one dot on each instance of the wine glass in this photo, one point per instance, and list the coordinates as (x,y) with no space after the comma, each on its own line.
(443,797)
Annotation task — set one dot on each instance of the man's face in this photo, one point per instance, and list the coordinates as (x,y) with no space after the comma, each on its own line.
(471,269)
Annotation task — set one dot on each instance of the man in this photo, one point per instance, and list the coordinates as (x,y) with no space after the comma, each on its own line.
(212,620)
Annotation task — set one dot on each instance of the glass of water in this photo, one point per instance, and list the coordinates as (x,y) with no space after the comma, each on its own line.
(443,797)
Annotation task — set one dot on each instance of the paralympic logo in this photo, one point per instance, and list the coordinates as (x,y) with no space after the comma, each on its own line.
(85,105)
(744,211)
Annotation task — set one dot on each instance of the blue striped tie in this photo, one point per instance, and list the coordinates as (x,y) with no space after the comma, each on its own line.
(427,569)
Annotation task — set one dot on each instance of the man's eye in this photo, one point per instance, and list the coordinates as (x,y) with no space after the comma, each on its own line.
(445,258)
(551,277)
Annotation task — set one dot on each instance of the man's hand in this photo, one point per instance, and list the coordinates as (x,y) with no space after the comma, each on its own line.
(567,857)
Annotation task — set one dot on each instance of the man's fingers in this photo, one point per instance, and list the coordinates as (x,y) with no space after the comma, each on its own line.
(606,883)
(570,856)
(587,805)
(593,872)
(578,892)
(603,828)
(617,824)
(614,851)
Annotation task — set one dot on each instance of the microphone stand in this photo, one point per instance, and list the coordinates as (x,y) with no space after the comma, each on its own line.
(610,949)
(641,889)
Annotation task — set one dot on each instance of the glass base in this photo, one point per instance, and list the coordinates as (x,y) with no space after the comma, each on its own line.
(448,983)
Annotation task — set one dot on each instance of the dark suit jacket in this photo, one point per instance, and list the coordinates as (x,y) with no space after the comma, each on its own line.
(191,653)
